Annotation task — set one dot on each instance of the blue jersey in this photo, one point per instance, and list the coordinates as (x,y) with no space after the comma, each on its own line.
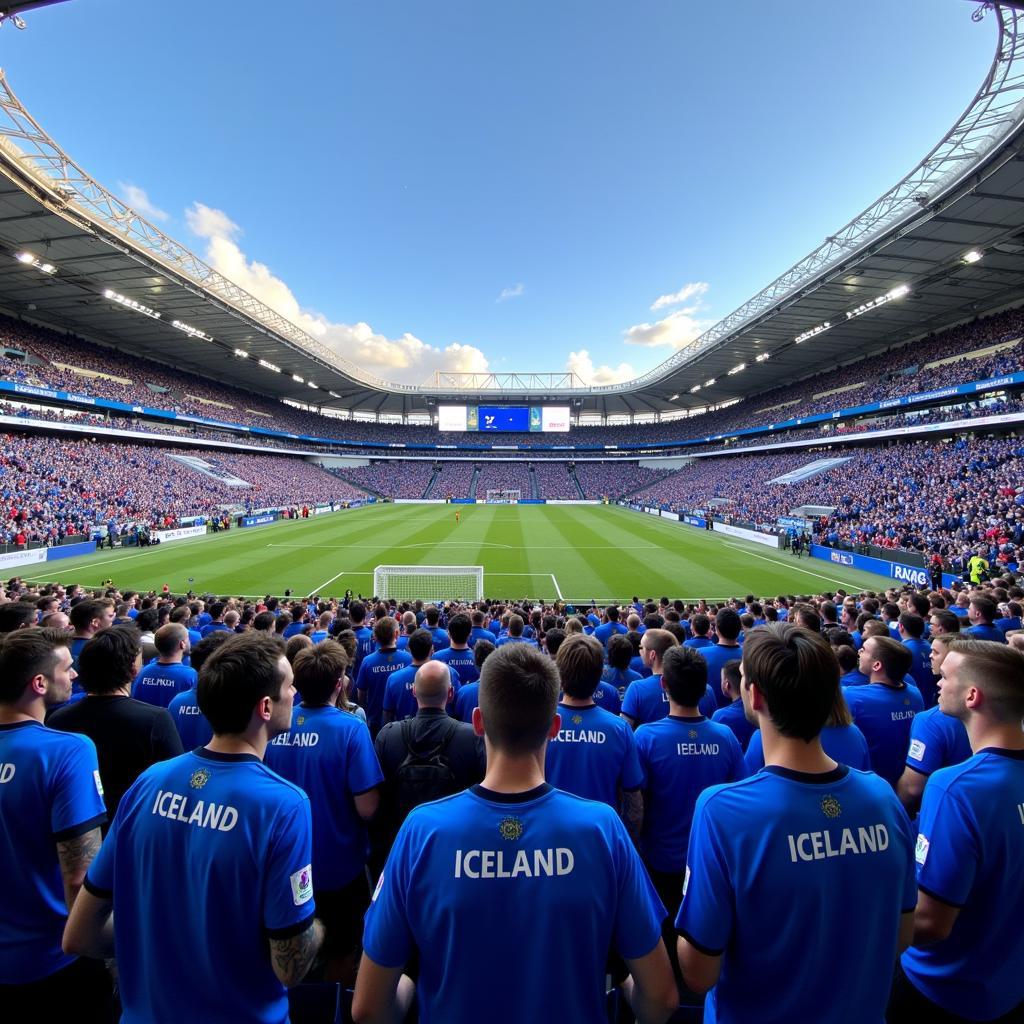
(733,717)
(158,684)
(970,849)
(209,854)
(845,744)
(364,646)
(329,755)
(699,642)
(50,792)
(884,714)
(620,678)
(986,632)
(680,758)
(605,632)
(646,701)
(399,698)
(716,656)
(467,698)
(214,627)
(373,680)
(462,661)
(636,664)
(480,633)
(921,670)
(936,741)
(318,636)
(193,728)
(1007,624)
(502,640)
(593,755)
(540,863)
(607,697)
(441,638)
(293,629)
(787,860)
(854,678)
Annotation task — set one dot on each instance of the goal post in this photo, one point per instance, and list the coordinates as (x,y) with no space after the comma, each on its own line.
(429,582)
(507,496)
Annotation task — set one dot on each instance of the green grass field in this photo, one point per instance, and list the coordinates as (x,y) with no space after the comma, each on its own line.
(575,552)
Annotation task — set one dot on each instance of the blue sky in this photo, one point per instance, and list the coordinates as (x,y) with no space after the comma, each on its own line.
(466,184)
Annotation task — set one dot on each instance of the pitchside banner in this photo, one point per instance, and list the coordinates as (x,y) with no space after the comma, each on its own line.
(912,574)
(267,517)
(695,521)
(179,534)
(767,539)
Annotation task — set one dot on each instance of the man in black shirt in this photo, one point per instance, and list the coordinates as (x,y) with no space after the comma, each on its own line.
(129,734)
(414,755)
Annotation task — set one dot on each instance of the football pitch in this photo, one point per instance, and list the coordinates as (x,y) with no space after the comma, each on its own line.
(573,552)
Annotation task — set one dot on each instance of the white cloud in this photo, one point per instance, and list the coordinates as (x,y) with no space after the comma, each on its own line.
(139,201)
(583,366)
(676,331)
(693,290)
(405,360)
(511,293)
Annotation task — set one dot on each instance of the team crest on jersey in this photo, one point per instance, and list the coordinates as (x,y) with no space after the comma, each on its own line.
(831,807)
(906,700)
(300,720)
(577,719)
(199,778)
(693,734)
(510,828)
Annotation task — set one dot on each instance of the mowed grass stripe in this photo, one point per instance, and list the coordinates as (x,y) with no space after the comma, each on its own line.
(602,552)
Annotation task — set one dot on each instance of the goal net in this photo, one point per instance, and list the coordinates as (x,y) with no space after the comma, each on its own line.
(506,497)
(429,582)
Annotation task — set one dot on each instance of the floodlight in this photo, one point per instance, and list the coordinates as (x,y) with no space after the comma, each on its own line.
(297,378)
(737,369)
(270,366)
(673,398)
(241,353)
(25,257)
(763,356)
(708,383)
(696,387)
(971,257)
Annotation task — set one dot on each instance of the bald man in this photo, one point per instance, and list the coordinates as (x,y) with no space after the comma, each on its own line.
(423,758)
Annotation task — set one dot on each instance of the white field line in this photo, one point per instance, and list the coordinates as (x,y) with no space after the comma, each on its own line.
(558,589)
(317,589)
(787,565)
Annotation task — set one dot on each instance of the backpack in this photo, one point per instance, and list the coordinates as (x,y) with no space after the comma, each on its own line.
(424,775)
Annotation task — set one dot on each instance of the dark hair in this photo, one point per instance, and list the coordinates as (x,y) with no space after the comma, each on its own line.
(809,618)
(265,622)
(147,619)
(554,638)
(580,663)
(515,625)
(986,607)
(84,612)
(620,651)
(459,628)
(318,669)
(797,673)
(731,671)
(385,631)
(700,624)
(202,650)
(357,611)
(518,697)
(239,674)
(847,657)
(949,621)
(421,642)
(107,661)
(216,609)
(896,659)
(16,615)
(482,650)
(26,654)
(727,624)
(295,643)
(684,674)
(998,671)
(913,625)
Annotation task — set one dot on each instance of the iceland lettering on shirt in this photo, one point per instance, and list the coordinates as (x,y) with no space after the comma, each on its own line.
(523,863)
(179,807)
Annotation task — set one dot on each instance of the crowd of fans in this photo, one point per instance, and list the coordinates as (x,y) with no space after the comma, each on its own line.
(121,377)
(52,488)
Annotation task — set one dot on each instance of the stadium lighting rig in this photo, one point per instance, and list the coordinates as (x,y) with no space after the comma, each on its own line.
(763,356)
(241,353)
(737,369)
(270,366)
(29,259)
(138,307)
(898,292)
(192,332)
(971,257)
(298,379)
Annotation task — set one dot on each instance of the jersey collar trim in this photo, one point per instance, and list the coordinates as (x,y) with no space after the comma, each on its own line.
(814,778)
(512,798)
(216,755)
(688,718)
(18,725)
(1017,755)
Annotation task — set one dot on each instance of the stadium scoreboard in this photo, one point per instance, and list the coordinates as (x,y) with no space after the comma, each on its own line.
(533,419)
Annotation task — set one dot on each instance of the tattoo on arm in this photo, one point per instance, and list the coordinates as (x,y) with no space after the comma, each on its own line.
(75,856)
(293,957)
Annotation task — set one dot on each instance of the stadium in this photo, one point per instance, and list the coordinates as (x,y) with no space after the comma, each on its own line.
(842,448)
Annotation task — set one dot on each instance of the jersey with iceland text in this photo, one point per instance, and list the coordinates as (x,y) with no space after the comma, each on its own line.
(733,717)
(50,792)
(217,848)
(593,755)
(970,847)
(373,680)
(646,701)
(936,741)
(845,744)
(486,873)
(460,660)
(329,755)
(788,860)
(399,698)
(159,684)
(192,725)
(680,757)
(884,714)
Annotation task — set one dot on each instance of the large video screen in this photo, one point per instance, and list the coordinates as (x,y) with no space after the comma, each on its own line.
(519,419)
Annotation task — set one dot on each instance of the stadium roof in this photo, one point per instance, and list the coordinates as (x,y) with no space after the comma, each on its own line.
(74,256)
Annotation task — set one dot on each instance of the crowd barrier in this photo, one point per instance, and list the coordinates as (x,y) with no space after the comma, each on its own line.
(260,520)
(898,571)
(180,533)
(33,556)
(769,540)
